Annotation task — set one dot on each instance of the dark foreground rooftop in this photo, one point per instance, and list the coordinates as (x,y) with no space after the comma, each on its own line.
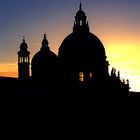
(15,87)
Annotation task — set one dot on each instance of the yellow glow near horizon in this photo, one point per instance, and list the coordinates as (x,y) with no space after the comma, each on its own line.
(125,57)
(8,70)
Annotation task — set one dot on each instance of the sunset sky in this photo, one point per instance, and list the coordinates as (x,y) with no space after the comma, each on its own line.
(115,22)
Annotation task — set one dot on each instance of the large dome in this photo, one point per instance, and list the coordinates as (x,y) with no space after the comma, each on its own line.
(82,49)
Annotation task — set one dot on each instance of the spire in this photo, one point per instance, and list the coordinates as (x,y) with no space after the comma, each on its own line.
(80,7)
(45,41)
(44,36)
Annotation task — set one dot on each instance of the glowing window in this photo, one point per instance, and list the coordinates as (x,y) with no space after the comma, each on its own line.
(91,75)
(81,77)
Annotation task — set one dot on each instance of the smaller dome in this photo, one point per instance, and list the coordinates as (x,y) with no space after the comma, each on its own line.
(23,45)
(44,62)
(44,57)
(23,49)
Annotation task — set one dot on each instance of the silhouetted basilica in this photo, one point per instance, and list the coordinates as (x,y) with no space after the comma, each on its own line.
(81,67)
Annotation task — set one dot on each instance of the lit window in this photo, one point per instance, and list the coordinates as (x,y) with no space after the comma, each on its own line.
(81,77)
(91,75)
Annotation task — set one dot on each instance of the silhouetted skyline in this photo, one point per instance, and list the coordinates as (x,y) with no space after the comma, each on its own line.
(115,22)
(80,69)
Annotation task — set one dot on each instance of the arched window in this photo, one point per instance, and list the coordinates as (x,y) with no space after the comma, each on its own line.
(81,76)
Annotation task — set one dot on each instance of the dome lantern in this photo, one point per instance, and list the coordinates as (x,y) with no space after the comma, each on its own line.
(80,23)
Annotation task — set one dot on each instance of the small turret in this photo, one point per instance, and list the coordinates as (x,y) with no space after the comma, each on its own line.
(23,61)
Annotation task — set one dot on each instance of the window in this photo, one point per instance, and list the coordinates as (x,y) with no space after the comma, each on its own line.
(80,23)
(81,76)
(91,75)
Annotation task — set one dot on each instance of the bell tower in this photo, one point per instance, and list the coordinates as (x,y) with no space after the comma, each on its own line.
(23,61)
